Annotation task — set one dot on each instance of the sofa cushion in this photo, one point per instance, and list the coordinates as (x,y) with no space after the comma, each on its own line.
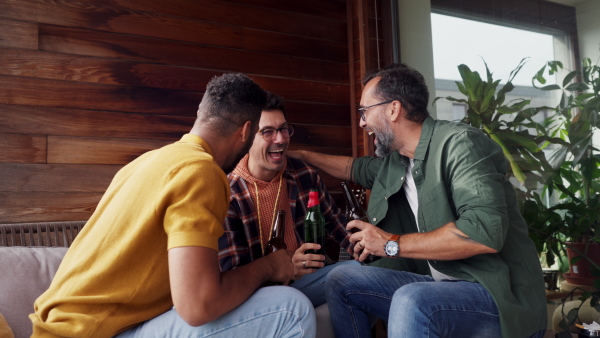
(25,273)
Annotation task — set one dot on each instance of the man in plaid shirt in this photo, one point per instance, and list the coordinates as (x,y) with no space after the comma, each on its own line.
(266,181)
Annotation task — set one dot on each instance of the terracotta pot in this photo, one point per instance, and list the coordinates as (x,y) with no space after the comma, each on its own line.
(580,273)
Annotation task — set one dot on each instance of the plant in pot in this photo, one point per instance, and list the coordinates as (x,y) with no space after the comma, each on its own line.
(573,223)
(513,126)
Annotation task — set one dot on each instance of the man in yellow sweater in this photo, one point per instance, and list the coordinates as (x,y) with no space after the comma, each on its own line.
(152,244)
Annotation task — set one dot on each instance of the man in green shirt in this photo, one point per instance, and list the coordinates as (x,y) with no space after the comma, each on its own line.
(449,181)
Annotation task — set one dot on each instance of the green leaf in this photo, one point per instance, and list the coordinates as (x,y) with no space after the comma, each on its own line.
(539,77)
(577,86)
(550,87)
(569,77)
(572,316)
(516,140)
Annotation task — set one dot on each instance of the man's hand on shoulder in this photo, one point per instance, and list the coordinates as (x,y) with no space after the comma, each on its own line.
(297,154)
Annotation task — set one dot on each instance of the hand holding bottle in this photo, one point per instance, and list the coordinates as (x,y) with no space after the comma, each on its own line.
(307,263)
(281,267)
(368,240)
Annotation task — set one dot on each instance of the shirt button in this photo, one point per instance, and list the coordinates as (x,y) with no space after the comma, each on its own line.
(385,197)
(374,219)
(401,178)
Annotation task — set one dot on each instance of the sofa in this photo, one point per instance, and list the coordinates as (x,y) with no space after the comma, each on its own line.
(30,255)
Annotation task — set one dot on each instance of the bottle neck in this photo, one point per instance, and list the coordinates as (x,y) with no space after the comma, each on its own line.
(279,227)
(350,199)
(313,199)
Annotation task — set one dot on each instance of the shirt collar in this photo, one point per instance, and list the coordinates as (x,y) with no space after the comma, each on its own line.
(426,132)
(195,139)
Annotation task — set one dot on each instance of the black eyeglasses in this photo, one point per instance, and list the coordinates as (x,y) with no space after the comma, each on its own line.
(270,133)
(362,110)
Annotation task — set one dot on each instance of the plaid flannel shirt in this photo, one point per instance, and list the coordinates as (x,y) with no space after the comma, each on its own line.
(240,244)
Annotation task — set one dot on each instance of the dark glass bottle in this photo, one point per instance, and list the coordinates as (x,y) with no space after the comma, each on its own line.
(314,223)
(277,240)
(356,212)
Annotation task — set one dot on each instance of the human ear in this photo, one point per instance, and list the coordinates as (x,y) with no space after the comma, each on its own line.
(246,131)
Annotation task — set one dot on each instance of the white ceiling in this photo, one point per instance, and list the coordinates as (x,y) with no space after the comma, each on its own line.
(569,2)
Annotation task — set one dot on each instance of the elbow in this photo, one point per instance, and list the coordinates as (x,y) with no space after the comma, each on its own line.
(196,316)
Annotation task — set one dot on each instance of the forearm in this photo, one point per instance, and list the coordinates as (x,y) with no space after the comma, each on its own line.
(337,166)
(445,243)
(201,293)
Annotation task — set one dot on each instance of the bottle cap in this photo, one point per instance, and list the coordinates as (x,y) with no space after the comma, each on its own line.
(313,198)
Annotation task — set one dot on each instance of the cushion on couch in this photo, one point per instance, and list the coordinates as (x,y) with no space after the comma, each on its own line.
(25,273)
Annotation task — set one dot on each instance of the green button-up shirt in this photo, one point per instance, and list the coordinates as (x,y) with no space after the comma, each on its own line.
(461,177)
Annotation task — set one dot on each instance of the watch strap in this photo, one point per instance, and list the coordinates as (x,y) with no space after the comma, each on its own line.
(394,238)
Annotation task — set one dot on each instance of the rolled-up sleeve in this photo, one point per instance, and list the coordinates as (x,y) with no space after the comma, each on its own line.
(477,178)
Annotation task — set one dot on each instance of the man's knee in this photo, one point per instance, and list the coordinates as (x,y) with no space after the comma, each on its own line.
(411,297)
(339,277)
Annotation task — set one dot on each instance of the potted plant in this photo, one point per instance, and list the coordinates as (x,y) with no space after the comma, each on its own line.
(574,221)
(571,172)
(577,178)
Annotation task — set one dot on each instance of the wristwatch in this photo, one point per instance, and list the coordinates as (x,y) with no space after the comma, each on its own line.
(392,247)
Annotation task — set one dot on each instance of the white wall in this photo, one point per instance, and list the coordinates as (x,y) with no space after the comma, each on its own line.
(588,27)
(416,49)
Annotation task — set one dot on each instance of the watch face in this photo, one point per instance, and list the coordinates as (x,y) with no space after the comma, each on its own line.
(391,248)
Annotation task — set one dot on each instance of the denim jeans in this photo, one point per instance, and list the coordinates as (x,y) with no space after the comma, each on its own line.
(313,285)
(412,305)
(275,311)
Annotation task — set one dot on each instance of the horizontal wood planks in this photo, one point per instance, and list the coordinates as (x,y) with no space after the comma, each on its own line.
(86,86)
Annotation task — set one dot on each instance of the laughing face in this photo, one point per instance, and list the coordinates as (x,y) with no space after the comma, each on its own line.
(268,157)
(375,122)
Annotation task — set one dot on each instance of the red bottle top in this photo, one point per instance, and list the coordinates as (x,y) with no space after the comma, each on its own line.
(313,198)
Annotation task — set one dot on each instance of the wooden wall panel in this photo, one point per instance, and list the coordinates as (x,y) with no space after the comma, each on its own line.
(42,206)
(88,85)
(16,34)
(259,17)
(66,94)
(76,14)
(77,122)
(55,177)
(56,66)
(87,150)
(101,44)
(22,148)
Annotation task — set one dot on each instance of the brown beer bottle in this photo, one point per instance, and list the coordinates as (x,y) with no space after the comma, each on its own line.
(356,212)
(277,240)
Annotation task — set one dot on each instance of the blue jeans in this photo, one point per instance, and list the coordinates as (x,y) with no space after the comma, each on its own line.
(313,285)
(275,311)
(413,305)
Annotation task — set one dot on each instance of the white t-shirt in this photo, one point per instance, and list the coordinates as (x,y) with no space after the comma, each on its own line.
(410,189)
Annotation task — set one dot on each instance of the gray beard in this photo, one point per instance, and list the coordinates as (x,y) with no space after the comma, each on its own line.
(385,140)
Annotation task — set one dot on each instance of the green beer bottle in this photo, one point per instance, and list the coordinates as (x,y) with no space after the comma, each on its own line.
(314,223)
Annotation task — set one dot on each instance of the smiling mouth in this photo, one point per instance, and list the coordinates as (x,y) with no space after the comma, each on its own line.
(276,154)
(370,133)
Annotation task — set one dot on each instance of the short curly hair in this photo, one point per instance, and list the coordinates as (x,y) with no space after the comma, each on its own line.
(229,101)
(405,84)
(275,102)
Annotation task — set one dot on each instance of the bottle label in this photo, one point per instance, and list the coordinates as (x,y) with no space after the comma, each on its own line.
(313,198)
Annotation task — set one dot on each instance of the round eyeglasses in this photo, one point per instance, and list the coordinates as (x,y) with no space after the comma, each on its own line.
(362,110)
(270,133)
